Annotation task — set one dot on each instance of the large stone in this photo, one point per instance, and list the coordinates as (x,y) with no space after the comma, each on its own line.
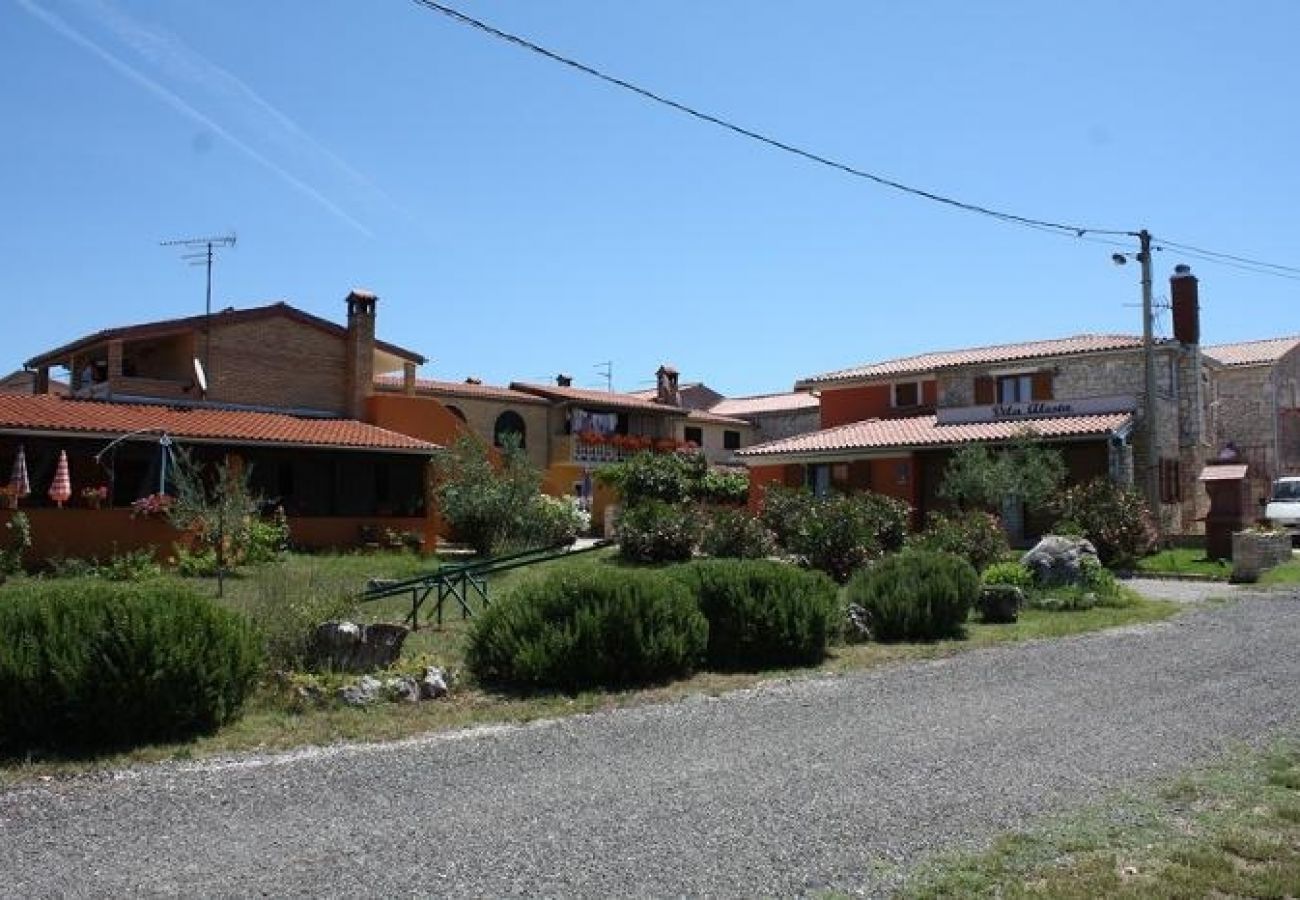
(403,687)
(434,683)
(349,647)
(1058,559)
(363,693)
(857,624)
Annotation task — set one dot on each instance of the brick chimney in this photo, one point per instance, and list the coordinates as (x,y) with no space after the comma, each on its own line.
(563,380)
(360,351)
(666,386)
(1185,296)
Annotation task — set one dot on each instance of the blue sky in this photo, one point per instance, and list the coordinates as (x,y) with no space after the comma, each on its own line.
(518,219)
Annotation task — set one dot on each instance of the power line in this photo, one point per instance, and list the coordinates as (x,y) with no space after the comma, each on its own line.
(1059,228)
(1055,227)
(1229,257)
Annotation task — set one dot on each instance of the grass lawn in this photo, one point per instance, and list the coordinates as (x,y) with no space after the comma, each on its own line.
(1185,561)
(1232,830)
(272,721)
(1285,574)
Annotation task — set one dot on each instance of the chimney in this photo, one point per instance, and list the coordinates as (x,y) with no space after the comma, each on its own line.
(360,351)
(563,380)
(1184,294)
(666,386)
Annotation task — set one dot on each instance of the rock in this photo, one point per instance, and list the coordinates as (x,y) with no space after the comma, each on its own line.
(403,687)
(857,627)
(1058,559)
(362,693)
(349,647)
(434,684)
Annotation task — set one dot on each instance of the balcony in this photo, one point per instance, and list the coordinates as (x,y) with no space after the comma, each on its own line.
(592,449)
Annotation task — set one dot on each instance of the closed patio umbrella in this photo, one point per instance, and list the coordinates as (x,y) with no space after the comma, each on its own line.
(18,480)
(61,487)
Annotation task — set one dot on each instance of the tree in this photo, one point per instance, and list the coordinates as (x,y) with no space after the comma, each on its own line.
(219,512)
(1024,469)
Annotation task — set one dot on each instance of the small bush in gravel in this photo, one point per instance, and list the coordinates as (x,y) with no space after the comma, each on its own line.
(916,595)
(654,532)
(736,534)
(974,535)
(587,627)
(762,613)
(87,665)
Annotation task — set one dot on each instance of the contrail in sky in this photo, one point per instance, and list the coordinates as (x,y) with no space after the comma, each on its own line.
(184,108)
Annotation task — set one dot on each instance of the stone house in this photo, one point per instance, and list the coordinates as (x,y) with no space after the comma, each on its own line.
(1255,405)
(893,425)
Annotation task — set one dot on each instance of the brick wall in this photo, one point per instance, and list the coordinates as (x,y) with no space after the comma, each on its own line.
(278,362)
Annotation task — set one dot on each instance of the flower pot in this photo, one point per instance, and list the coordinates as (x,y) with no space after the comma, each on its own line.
(999,604)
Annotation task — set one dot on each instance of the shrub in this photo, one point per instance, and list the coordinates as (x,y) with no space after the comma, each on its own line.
(17,541)
(586,627)
(841,533)
(201,563)
(72,567)
(784,510)
(916,595)
(131,565)
(548,521)
(674,477)
(267,539)
(1114,518)
(736,533)
(90,665)
(723,486)
(653,532)
(762,613)
(977,478)
(1012,573)
(492,508)
(974,535)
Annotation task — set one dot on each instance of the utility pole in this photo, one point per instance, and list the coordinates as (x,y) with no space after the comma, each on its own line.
(201,255)
(608,373)
(1152,480)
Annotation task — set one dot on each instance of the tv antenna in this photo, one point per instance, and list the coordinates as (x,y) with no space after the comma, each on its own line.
(606,370)
(198,252)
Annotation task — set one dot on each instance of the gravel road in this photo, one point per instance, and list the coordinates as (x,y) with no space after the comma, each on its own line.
(827,783)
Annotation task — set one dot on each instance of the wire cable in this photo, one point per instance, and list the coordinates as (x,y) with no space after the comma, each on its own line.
(1229,257)
(1055,227)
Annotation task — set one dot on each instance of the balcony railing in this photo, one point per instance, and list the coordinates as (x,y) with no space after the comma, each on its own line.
(592,449)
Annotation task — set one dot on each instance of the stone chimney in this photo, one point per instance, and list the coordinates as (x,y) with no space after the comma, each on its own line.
(563,380)
(1185,296)
(360,351)
(666,386)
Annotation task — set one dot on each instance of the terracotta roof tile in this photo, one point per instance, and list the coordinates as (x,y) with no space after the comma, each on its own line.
(458,389)
(929,362)
(766,403)
(48,413)
(598,398)
(924,431)
(1252,353)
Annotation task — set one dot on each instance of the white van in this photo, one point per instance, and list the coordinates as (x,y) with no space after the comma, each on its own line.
(1283,508)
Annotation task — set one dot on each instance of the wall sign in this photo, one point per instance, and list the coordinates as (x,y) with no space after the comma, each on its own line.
(1035,409)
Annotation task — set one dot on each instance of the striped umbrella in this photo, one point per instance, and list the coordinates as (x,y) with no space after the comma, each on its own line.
(61,486)
(18,480)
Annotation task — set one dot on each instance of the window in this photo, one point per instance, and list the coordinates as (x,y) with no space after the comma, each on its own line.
(1015,389)
(695,435)
(1171,486)
(818,479)
(907,394)
(509,422)
(731,440)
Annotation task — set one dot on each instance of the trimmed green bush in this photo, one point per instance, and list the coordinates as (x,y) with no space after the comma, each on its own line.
(736,534)
(916,595)
(654,532)
(588,626)
(762,613)
(974,535)
(89,665)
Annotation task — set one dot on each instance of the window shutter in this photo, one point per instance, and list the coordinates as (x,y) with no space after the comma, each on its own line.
(1042,387)
(984,390)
